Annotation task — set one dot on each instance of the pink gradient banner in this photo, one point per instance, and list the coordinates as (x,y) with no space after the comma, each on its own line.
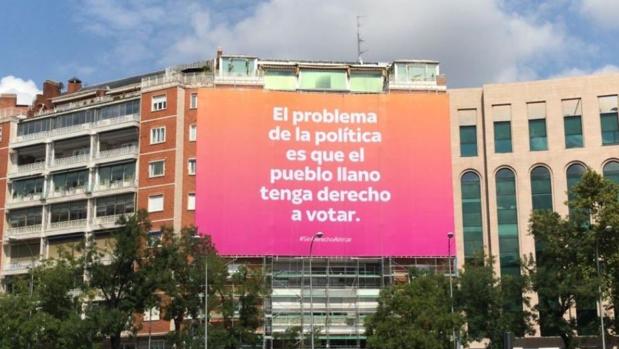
(371,172)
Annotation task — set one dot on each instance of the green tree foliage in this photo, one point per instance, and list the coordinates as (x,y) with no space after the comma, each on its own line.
(564,273)
(414,316)
(492,305)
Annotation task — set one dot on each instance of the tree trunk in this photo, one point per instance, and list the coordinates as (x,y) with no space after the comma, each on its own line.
(115,341)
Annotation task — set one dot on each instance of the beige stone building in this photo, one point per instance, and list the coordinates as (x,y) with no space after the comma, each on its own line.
(518,147)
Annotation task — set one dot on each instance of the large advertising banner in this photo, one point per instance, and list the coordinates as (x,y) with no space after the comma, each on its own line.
(371,173)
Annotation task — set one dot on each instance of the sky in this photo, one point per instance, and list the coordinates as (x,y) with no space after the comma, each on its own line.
(476,41)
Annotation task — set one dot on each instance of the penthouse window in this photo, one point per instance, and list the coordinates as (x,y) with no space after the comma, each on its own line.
(159,103)
(280,79)
(310,79)
(608,118)
(366,81)
(415,71)
(238,66)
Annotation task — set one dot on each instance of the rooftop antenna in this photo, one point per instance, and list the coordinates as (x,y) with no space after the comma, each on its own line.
(360,41)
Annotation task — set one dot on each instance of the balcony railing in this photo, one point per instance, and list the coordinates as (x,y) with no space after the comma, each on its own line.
(27,168)
(108,220)
(176,77)
(117,120)
(115,185)
(76,223)
(239,80)
(124,151)
(21,265)
(24,230)
(71,160)
(26,198)
(68,192)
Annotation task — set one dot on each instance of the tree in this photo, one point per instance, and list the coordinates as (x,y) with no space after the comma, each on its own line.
(564,273)
(116,279)
(492,305)
(414,316)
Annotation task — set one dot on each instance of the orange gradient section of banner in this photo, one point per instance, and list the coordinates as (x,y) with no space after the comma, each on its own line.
(370,172)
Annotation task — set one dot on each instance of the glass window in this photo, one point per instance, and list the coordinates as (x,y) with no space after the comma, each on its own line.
(193,101)
(115,205)
(416,71)
(156,168)
(69,211)
(611,171)
(285,80)
(471,214)
(193,132)
(238,66)
(120,109)
(574,173)
(541,188)
(366,81)
(502,137)
(157,135)
(573,131)
(537,135)
(608,117)
(191,201)
(191,167)
(25,217)
(68,182)
(323,80)
(507,216)
(159,102)
(27,188)
(155,203)
(468,141)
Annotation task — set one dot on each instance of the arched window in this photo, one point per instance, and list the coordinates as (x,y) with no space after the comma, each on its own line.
(507,216)
(471,214)
(541,188)
(574,173)
(611,171)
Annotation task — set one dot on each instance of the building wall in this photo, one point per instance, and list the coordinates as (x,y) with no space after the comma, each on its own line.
(5,132)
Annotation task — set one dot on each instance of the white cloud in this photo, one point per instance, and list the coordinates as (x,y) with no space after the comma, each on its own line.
(602,13)
(26,90)
(610,68)
(476,41)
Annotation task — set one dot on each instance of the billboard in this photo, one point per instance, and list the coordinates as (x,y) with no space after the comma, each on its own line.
(371,172)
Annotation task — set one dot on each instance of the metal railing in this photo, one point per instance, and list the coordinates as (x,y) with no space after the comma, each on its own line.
(24,230)
(27,168)
(71,160)
(111,153)
(76,223)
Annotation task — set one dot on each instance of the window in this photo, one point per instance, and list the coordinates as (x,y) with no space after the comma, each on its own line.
(366,81)
(541,188)
(415,71)
(323,80)
(193,101)
(155,203)
(152,314)
(471,214)
(468,141)
(159,102)
(572,122)
(238,66)
(115,205)
(0,133)
(275,79)
(193,132)
(191,167)
(156,168)
(611,171)
(502,137)
(191,201)
(25,217)
(573,173)
(608,118)
(70,211)
(507,217)
(120,109)
(70,182)
(537,135)
(27,188)
(157,135)
(117,176)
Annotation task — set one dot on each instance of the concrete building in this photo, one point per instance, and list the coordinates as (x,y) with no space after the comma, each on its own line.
(518,147)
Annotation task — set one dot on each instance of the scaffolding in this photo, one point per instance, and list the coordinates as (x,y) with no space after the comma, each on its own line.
(345,291)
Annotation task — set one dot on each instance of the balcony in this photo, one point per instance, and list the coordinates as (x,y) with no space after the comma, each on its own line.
(108,221)
(68,192)
(24,200)
(70,225)
(173,77)
(239,80)
(19,267)
(24,232)
(119,121)
(118,153)
(28,169)
(70,161)
(116,187)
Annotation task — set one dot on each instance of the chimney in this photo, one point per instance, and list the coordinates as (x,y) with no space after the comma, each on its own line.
(220,53)
(73,85)
(8,100)
(51,89)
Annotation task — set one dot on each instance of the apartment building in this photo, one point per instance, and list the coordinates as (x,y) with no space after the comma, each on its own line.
(521,146)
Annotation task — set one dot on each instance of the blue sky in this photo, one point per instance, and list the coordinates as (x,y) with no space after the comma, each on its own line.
(476,41)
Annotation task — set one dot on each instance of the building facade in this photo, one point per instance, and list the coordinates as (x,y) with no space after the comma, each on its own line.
(519,147)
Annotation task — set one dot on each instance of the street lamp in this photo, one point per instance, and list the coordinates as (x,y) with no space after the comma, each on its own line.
(450,236)
(600,308)
(317,235)
(198,237)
